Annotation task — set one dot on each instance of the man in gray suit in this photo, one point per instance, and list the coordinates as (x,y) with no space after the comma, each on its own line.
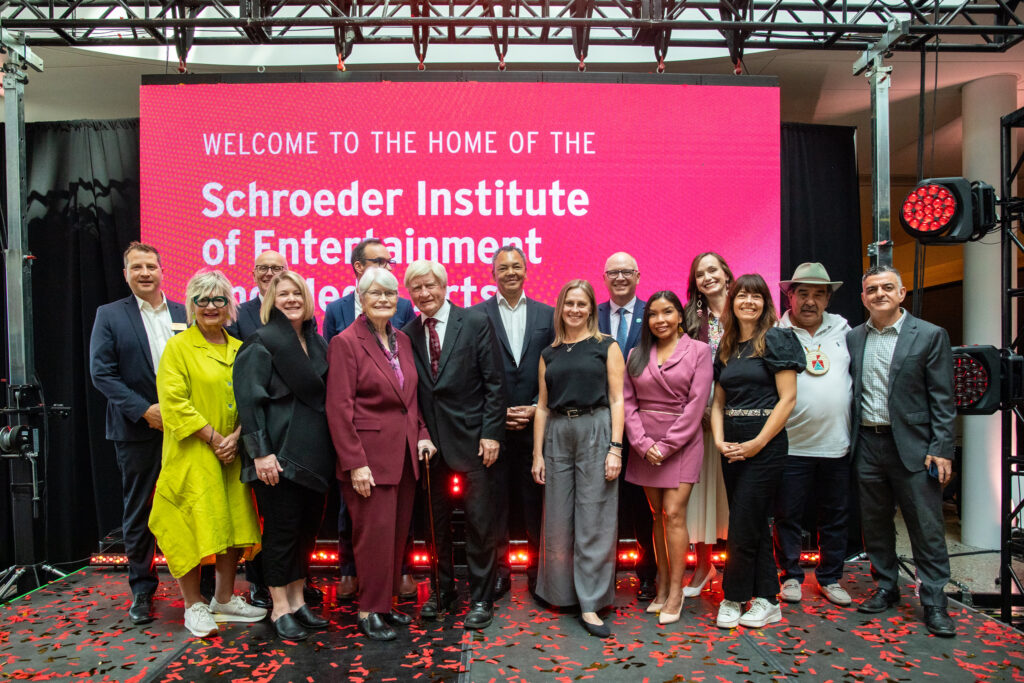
(902,441)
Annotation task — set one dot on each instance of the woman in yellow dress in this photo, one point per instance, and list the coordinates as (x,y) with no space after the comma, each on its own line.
(202,512)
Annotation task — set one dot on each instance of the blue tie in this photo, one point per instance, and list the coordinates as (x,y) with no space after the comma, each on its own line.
(623,331)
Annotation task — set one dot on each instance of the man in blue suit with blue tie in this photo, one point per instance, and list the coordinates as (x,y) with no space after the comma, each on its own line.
(623,317)
(339,315)
(127,341)
(268,265)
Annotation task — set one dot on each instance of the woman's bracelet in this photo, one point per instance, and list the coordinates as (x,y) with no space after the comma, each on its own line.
(617,455)
(209,442)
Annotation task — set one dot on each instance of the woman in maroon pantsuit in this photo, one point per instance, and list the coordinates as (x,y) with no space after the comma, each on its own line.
(377,432)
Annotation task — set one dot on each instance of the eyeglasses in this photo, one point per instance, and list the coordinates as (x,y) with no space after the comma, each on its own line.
(381,262)
(204,301)
(613,274)
(263,270)
(376,294)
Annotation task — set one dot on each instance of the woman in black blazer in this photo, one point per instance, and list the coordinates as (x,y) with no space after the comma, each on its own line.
(280,387)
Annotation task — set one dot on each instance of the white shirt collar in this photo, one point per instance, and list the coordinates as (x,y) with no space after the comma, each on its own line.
(896,325)
(442,313)
(146,306)
(502,301)
(630,307)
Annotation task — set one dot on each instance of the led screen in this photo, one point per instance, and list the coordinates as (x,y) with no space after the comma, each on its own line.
(571,172)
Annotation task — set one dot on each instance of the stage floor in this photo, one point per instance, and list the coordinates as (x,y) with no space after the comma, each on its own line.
(78,629)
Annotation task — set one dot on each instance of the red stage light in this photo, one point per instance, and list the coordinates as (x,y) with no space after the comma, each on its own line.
(929,208)
(456,485)
(691,558)
(519,557)
(421,559)
(970,381)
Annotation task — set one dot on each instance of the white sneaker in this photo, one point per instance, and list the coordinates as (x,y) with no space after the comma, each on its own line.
(792,591)
(836,594)
(728,614)
(761,612)
(199,621)
(236,609)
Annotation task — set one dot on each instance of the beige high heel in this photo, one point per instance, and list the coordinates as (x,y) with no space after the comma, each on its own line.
(655,607)
(666,618)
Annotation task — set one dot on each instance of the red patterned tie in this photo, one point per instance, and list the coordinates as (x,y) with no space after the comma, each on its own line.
(435,346)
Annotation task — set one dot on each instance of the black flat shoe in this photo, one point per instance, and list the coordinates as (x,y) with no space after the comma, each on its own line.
(375,628)
(305,616)
(259,596)
(396,618)
(879,601)
(938,622)
(501,587)
(597,630)
(141,611)
(647,591)
(312,594)
(480,615)
(289,628)
(432,607)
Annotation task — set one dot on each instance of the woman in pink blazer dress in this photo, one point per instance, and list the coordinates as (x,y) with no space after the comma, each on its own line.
(668,382)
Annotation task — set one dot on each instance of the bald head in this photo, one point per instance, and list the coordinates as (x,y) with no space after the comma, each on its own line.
(268,264)
(621,275)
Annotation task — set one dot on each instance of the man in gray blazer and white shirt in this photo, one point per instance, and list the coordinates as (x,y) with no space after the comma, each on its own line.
(903,412)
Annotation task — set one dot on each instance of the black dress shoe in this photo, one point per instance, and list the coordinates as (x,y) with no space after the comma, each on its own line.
(598,630)
(259,596)
(501,587)
(879,601)
(646,592)
(141,611)
(396,618)
(480,615)
(938,622)
(348,588)
(289,628)
(305,616)
(375,627)
(312,594)
(431,608)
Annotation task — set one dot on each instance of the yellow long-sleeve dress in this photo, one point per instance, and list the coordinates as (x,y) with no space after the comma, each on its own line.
(200,507)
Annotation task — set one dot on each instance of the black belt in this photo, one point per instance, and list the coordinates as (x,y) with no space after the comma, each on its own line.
(575,412)
(877,429)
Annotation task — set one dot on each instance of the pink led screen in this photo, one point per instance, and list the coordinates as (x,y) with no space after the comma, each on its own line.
(572,172)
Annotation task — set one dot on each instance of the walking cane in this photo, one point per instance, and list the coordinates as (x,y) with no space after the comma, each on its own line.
(435,575)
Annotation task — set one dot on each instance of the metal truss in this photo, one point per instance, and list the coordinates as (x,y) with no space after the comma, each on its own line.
(940,25)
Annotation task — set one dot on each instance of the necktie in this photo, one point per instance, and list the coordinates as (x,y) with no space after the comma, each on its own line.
(435,345)
(623,331)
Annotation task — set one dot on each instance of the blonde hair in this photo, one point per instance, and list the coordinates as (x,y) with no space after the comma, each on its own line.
(271,295)
(592,329)
(425,267)
(209,283)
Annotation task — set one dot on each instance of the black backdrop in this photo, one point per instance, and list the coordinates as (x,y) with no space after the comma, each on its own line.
(83,209)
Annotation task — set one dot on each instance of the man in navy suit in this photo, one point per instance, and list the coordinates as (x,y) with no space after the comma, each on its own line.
(339,315)
(622,317)
(128,339)
(341,312)
(268,264)
(524,328)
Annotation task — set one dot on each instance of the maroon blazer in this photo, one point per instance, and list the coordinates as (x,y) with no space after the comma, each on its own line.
(374,422)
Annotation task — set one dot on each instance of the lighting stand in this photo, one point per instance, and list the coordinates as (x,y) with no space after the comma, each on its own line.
(23,405)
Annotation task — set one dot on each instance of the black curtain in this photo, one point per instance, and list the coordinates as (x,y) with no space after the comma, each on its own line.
(821,209)
(83,209)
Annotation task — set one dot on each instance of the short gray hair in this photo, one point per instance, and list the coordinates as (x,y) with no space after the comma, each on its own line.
(878,270)
(209,283)
(424,267)
(376,276)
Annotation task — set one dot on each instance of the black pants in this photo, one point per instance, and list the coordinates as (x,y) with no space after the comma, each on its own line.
(635,518)
(886,482)
(291,518)
(750,566)
(478,502)
(139,462)
(824,482)
(517,498)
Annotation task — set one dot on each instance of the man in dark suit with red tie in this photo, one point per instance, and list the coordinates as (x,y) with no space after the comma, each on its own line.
(622,318)
(127,341)
(524,328)
(462,400)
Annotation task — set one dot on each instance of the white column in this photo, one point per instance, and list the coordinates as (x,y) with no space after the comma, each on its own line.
(984,101)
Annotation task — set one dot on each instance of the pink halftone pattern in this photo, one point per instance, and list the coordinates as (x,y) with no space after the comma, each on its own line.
(672,170)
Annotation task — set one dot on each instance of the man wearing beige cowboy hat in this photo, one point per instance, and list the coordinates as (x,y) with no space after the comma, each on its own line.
(817,470)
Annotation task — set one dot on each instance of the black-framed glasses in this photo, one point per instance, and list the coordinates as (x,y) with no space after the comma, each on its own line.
(625,272)
(263,270)
(381,262)
(204,301)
